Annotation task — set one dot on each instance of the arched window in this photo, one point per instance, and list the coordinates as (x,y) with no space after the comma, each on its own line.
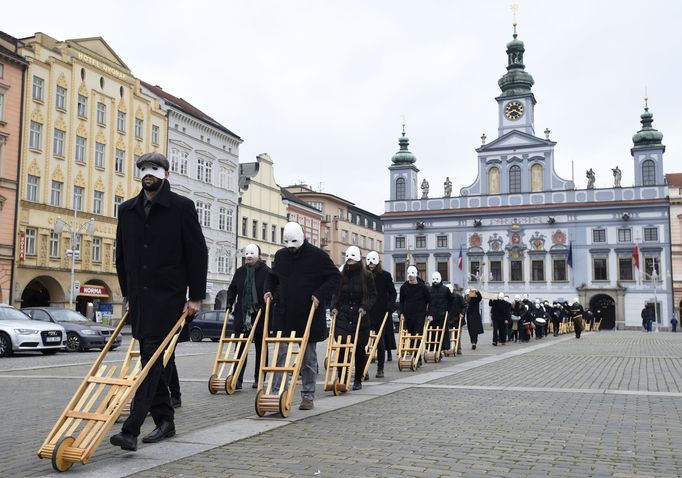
(493,181)
(648,173)
(400,189)
(515,179)
(536,178)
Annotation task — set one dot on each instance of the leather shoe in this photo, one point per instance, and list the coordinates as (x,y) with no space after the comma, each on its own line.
(175,402)
(306,404)
(163,431)
(125,440)
(380,373)
(357,386)
(254,385)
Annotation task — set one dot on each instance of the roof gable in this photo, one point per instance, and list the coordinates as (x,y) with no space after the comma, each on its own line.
(515,139)
(100,48)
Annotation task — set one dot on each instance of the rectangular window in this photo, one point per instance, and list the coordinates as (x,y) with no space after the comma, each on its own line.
(97,201)
(244,226)
(78,193)
(400,243)
(420,242)
(200,169)
(82,106)
(380,245)
(274,233)
(32,188)
(228,223)
(138,128)
(496,271)
(421,270)
(56,193)
(370,243)
(155,135)
(99,155)
(120,122)
(254,229)
(37,91)
(222,216)
(58,142)
(625,235)
(400,272)
(31,235)
(537,270)
(559,270)
(204,213)
(264,232)
(136,170)
(344,236)
(184,162)
(2,105)
(101,113)
(625,269)
(652,267)
(516,271)
(598,235)
(221,262)
(444,269)
(474,270)
(35,136)
(354,238)
(651,234)
(80,149)
(441,241)
(60,98)
(600,268)
(117,202)
(96,250)
(362,241)
(118,160)
(54,244)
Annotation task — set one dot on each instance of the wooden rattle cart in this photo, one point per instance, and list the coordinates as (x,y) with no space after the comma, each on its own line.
(455,337)
(276,396)
(339,370)
(433,341)
(97,403)
(373,345)
(230,358)
(411,347)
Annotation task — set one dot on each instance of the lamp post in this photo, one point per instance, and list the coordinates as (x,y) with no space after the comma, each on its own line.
(88,227)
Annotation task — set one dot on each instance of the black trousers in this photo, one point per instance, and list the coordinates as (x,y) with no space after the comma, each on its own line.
(344,328)
(172,377)
(152,395)
(577,325)
(258,342)
(499,331)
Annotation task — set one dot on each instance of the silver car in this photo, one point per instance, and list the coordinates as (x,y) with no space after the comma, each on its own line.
(18,333)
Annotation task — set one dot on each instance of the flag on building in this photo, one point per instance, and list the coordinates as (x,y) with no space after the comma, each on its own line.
(635,256)
(570,254)
(459,259)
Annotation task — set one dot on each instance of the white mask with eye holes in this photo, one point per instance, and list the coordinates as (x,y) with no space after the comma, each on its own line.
(251,251)
(151,169)
(293,235)
(353,252)
(372,258)
(436,278)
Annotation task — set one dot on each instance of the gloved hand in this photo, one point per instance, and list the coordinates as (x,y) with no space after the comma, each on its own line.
(362,311)
(335,312)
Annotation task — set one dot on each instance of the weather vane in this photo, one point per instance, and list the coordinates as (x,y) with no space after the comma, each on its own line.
(646,98)
(514,9)
(402,117)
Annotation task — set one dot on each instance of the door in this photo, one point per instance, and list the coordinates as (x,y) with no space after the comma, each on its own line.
(604,307)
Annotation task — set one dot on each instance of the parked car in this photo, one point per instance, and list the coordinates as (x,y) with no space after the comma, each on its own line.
(81,333)
(209,324)
(18,333)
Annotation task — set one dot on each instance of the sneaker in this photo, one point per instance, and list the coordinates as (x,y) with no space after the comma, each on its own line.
(306,404)
(380,373)
(175,402)
(357,385)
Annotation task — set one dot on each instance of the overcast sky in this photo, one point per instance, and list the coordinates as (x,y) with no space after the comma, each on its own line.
(321,86)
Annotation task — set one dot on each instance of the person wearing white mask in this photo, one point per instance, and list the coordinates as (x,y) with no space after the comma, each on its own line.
(439,304)
(500,313)
(245,298)
(385,303)
(302,274)
(473,316)
(354,298)
(414,302)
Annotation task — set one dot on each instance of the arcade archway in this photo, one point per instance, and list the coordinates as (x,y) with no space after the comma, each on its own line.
(604,306)
(94,300)
(220,300)
(42,291)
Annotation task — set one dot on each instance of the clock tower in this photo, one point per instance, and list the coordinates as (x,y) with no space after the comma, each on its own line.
(516,103)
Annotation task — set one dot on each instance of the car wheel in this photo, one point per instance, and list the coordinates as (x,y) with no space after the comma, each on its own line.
(5,345)
(49,352)
(195,335)
(73,342)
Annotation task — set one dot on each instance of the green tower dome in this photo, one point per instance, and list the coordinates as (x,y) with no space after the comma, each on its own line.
(647,136)
(516,81)
(403,156)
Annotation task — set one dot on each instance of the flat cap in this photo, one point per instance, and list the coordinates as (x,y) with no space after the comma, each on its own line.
(154,158)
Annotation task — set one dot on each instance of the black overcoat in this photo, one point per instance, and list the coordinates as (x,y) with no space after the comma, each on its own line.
(296,277)
(158,259)
(440,303)
(350,296)
(386,296)
(236,291)
(474,321)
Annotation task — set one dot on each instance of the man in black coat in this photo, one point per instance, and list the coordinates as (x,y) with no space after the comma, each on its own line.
(500,313)
(160,255)
(247,289)
(474,320)
(302,274)
(457,310)
(441,302)
(384,304)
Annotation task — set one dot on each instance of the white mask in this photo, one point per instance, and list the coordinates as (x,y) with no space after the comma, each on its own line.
(411,271)
(293,235)
(353,252)
(251,251)
(436,278)
(151,169)
(373,258)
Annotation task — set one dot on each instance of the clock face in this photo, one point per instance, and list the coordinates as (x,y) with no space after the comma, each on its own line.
(513,110)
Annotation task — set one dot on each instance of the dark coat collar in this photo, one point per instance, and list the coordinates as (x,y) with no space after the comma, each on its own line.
(163,198)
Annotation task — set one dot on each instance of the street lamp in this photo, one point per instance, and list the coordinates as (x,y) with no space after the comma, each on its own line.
(88,227)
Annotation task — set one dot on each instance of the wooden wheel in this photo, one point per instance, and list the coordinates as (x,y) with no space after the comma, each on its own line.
(341,388)
(326,361)
(284,406)
(259,411)
(229,386)
(413,366)
(211,388)
(59,462)
(400,365)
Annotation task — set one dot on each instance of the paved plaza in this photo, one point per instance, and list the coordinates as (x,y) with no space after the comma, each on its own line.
(605,405)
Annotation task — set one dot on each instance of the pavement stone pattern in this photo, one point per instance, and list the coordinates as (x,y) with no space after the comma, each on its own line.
(450,426)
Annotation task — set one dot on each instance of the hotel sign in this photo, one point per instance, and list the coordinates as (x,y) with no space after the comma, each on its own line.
(101,66)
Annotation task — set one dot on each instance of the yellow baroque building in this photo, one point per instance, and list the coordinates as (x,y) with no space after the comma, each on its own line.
(85,121)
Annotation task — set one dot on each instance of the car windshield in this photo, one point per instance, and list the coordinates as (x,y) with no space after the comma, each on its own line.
(8,313)
(63,315)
